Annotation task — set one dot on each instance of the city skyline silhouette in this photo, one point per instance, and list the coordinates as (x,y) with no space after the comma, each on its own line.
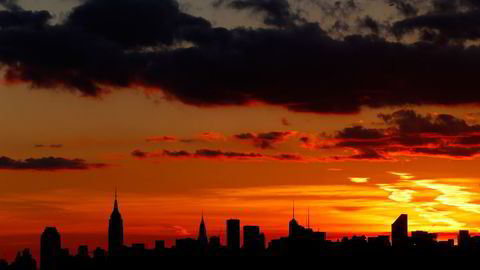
(137,131)
(246,240)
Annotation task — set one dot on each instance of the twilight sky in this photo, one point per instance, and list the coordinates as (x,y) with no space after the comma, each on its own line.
(358,110)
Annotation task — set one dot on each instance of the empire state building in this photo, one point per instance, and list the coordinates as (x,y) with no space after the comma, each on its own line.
(115,230)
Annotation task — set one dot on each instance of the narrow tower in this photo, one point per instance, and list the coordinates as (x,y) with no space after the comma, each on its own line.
(202,233)
(115,230)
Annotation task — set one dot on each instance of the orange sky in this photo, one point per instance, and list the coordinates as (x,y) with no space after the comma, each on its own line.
(163,197)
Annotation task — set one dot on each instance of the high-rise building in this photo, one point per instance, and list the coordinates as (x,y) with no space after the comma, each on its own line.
(50,248)
(251,238)
(400,231)
(202,234)
(115,230)
(233,234)
(463,239)
(82,251)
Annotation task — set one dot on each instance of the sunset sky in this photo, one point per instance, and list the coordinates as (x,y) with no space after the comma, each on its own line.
(358,110)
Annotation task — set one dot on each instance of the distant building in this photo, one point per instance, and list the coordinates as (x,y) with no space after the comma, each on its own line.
(423,239)
(82,251)
(202,234)
(115,230)
(50,248)
(159,245)
(23,261)
(233,234)
(463,239)
(400,231)
(251,238)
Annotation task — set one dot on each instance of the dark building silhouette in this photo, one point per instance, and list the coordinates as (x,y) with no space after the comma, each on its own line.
(50,249)
(253,240)
(115,230)
(159,245)
(233,234)
(400,231)
(463,239)
(423,239)
(24,261)
(202,234)
(82,251)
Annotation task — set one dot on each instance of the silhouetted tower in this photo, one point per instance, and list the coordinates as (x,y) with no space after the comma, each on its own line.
(233,234)
(463,239)
(115,230)
(50,248)
(202,233)
(400,231)
(293,224)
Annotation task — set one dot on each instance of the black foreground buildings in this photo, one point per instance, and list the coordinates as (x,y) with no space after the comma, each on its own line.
(301,241)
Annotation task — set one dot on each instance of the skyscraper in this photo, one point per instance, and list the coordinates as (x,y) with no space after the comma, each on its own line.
(202,234)
(50,246)
(233,234)
(115,230)
(463,239)
(251,238)
(400,231)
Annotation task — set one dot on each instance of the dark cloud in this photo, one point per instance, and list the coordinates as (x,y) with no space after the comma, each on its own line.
(176,153)
(11,5)
(133,23)
(139,154)
(292,157)
(47,164)
(409,133)
(220,154)
(369,23)
(448,21)
(208,153)
(51,145)
(21,18)
(360,133)
(265,140)
(406,8)
(107,44)
(410,122)
(162,139)
(277,12)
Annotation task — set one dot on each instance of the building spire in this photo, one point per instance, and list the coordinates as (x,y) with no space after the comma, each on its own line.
(115,204)
(293,209)
(308,217)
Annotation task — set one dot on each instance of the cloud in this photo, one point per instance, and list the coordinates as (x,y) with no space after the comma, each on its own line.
(203,137)
(265,140)
(219,154)
(51,145)
(103,45)
(359,179)
(162,139)
(447,22)
(407,133)
(397,194)
(405,176)
(276,12)
(47,164)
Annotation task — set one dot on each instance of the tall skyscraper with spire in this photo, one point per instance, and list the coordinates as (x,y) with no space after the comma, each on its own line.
(202,233)
(293,224)
(115,230)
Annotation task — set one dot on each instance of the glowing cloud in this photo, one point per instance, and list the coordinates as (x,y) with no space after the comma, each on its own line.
(405,176)
(359,179)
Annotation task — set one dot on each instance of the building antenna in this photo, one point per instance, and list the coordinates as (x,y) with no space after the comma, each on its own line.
(293,209)
(308,218)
